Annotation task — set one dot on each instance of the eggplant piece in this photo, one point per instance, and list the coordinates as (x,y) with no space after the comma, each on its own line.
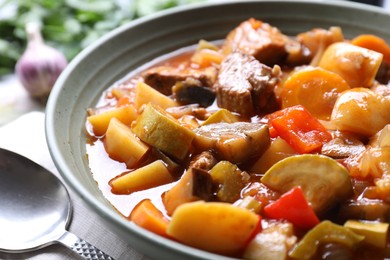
(195,184)
(323,180)
(230,179)
(342,148)
(191,91)
(365,209)
(334,251)
(235,142)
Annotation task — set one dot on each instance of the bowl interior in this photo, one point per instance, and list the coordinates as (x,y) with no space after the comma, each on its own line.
(125,49)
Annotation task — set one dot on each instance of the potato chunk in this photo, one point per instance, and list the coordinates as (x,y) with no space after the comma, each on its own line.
(278,150)
(213,226)
(361,111)
(99,122)
(121,144)
(274,242)
(195,184)
(149,176)
(145,94)
(222,115)
(356,65)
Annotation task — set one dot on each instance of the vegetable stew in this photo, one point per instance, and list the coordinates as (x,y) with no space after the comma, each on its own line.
(259,146)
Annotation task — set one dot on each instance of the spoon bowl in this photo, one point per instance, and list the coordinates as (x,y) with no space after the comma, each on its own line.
(35,209)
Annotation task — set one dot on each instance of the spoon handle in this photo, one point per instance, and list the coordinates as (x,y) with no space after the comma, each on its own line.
(82,247)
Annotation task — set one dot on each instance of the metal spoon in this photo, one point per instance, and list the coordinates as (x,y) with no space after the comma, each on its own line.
(35,209)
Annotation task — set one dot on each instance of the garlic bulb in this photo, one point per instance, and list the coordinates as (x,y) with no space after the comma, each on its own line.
(40,65)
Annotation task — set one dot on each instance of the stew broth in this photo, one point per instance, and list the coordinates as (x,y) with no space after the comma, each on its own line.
(263,127)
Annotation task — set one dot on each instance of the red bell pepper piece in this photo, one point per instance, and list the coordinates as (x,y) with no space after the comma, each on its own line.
(254,233)
(293,207)
(299,129)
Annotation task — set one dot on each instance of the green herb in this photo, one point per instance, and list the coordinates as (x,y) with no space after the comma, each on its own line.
(68,25)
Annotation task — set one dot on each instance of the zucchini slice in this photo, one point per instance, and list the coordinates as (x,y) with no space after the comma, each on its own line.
(323,180)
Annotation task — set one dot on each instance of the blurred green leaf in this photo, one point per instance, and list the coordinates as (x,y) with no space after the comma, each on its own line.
(147,7)
(68,25)
(96,6)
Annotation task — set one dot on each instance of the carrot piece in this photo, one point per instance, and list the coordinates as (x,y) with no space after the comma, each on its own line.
(313,83)
(123,101)
(146,215)
(293,206)
(374,43)
(300,129)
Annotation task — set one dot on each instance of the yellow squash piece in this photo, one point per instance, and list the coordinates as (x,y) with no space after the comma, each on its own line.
(156,128)
(375,233)
(99,122)
(149,176)
(323,180)
(145,94)
(121,144)
(213,226)
(325,232)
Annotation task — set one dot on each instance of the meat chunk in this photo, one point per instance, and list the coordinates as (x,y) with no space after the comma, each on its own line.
(244,85)
(318,39)
(266,43)
(162,78)
(204,161)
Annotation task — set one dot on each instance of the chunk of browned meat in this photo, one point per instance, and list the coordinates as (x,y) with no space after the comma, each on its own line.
(318,39)
(266,43)
(244,85)
(162,78)
(204,161)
